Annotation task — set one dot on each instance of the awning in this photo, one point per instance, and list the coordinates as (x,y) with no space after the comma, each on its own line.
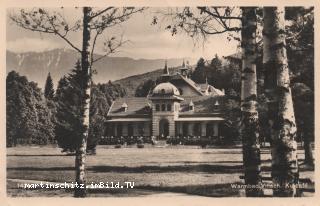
(197,119)
(129,120)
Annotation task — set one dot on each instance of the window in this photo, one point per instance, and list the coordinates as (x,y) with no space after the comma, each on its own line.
(157,107)
(168,107)
(197,129)
(163,107)
(141,129)
(180,91)
(185,129)
(130,130)
(119,130)
(163,91)
(191,108)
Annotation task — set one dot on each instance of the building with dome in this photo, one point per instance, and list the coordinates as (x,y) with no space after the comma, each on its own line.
(176,106)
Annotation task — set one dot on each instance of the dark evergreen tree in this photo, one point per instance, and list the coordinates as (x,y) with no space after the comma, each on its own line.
(68,127)
(144,88)
(28,117)
(216,62)
(48,89)
(68,101)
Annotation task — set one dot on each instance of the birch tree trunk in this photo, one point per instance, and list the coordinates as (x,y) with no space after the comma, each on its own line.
(86,88)
(249,113)
(285,172)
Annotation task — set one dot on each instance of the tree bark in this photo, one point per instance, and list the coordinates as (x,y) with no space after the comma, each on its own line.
(249,113)
(308,156)
(285,172)
(86,88)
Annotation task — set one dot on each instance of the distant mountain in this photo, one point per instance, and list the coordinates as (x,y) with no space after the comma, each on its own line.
(60,62)
(131,83)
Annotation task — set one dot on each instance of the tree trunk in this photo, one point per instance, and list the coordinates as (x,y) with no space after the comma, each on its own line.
(86,87)
(249,113)
(285,172)
(308,156)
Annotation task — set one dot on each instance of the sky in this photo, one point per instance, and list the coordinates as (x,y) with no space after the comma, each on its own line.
(145,40)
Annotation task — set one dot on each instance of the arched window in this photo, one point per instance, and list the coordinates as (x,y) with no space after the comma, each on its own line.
(180,91)
(163,128)
(163,91)
(168,107)
(157,107)
(163,107)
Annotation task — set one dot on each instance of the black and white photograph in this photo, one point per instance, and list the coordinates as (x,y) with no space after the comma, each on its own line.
(201,101)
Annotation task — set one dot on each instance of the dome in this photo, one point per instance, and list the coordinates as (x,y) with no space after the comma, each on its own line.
(165,89)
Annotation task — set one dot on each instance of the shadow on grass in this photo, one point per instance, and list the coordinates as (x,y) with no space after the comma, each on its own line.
(195,168)
(39,155)
(208,190)
(207,168)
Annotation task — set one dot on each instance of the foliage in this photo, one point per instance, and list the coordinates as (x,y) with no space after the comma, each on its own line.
(68,100)
(29,120)
(48,88)
(144,88)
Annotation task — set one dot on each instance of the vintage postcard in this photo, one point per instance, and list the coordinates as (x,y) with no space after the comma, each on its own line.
(189,102)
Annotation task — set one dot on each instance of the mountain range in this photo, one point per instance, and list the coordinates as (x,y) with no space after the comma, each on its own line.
(59,62)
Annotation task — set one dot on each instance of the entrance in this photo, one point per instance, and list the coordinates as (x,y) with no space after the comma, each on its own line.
(163,128)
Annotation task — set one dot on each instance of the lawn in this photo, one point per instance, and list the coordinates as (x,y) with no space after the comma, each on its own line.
(183,170)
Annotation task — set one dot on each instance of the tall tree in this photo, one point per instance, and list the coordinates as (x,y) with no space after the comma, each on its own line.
(68,100)
(205,24)
(48,88)
(28,117)
(92,23)
(282,120)
(300,50)
(249,113)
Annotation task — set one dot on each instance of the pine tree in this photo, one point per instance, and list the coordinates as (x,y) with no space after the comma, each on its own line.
(48,89)
(68,126)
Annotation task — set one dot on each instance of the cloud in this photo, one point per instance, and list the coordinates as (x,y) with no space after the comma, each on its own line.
(32,44)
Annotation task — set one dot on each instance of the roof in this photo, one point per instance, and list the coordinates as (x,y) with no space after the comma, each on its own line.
(215,91)
(203,105)
(137,106)
(203,87)
(165,89)
(192,84)
(141,119)
(191,119)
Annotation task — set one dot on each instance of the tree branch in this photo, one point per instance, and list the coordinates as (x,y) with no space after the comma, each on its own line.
(100,12)
(204,9)
(93,45)
(41,21)
(111,47)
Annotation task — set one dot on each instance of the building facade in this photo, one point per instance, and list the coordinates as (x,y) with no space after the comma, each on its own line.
(177,106)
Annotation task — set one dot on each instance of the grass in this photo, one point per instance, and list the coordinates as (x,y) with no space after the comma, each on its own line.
(187,170)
